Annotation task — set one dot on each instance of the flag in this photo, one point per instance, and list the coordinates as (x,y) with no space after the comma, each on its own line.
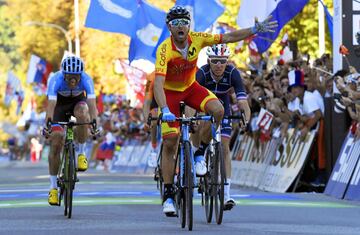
(253,48)
(281,10)
(343,50)
(149,22)
(221,28)
(13,86)
(117,16)
(20,95)
(38,71)
(137,19)
(201,17)
(99,102)
(136,79)
(329,19)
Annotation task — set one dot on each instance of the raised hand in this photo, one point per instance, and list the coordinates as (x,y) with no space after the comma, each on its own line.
(265,26)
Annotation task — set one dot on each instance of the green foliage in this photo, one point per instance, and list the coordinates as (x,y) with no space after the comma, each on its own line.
(99,49)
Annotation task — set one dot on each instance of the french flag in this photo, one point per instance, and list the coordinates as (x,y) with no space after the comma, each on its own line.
(281,10)
(38,71)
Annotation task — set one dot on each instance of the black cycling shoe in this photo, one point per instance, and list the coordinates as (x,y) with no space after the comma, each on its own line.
(229,204)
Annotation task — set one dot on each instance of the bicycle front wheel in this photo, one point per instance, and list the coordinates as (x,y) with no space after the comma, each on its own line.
(219,181)
(209,200)
(189,181)
(71,181)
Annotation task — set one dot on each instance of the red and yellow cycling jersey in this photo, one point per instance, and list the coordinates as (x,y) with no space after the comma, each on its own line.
(179,72)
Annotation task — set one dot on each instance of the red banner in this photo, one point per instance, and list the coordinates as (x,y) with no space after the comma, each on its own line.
(136,79)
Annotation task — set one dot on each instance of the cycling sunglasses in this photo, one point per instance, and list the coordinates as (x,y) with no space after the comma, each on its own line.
(179,22)
(218,60)
(69,77)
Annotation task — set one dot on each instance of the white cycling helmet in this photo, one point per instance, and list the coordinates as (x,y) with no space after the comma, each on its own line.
(220,50)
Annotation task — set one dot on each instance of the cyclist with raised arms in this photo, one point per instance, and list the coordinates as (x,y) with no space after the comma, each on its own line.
(70,93)
(219,77)
(175,70)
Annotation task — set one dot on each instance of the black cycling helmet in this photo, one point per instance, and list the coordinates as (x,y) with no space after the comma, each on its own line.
(177,12)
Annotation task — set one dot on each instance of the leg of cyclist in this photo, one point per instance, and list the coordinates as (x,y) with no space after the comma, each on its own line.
(203,100)
(81,133)
(152,159)
(167,167)
(215,108)
(226,129)
(56,145)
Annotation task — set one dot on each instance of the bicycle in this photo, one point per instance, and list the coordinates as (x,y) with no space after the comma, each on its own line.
(67,176)
(186,178)
(213,183)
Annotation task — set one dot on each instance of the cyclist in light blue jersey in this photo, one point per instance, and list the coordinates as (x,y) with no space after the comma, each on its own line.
(70,93)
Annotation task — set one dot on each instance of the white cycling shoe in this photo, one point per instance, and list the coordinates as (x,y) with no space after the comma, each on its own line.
(169,207)
(200,166)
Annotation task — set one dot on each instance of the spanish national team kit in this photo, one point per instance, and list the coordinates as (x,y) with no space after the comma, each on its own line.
(179,71)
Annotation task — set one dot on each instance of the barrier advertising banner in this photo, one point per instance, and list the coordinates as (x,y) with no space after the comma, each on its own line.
(345,177)
(272,165)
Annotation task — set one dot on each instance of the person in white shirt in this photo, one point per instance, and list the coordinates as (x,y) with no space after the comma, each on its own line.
(312,111)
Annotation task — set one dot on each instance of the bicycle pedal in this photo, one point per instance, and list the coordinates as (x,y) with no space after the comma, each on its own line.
(156,177)
(171,214)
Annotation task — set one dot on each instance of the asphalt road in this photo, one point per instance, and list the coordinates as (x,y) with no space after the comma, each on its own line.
(113,203)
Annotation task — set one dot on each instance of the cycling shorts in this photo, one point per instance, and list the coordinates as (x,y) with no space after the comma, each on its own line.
(196,96)
(226,128)
(64,109)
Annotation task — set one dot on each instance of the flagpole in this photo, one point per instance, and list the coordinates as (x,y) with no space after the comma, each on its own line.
(321,15)
(66,33)
(77,27)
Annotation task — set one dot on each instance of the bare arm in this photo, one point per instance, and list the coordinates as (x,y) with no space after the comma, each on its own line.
(146,108)
(159,91)
(92,108)
(237,35)
(50,109)
(244,105)
(241,34)
(312,121)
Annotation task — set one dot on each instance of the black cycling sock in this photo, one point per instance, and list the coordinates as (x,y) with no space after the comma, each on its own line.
(201,149)
(169,192)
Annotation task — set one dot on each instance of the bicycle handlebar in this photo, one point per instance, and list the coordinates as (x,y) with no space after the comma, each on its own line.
(72,124)
(182,119)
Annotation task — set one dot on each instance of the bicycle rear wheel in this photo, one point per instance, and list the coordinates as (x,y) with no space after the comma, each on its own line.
(160,180)
(189,181)
(207,188)
(219,181)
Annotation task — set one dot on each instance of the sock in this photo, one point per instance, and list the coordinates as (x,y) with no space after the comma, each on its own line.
(168,191)
(82,148)
(201,149)
(227,190)
(53,181)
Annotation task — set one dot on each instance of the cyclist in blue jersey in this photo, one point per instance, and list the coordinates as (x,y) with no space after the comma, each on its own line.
(70,93)
(219,77)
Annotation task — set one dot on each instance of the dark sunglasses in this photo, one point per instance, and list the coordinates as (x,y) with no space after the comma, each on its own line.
(68,78)
(216,61)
